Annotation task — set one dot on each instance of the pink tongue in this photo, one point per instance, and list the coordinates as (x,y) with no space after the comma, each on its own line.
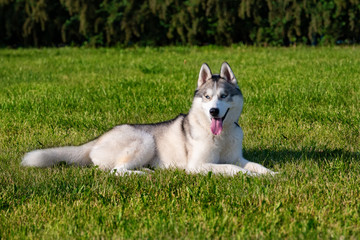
(216,126)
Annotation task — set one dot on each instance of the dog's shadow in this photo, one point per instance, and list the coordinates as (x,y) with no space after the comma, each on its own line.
(270,157)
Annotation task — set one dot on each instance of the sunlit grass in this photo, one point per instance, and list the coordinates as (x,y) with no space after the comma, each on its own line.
(301,118)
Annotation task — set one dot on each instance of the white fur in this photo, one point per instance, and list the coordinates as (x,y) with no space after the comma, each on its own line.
(51,156)
(186,142)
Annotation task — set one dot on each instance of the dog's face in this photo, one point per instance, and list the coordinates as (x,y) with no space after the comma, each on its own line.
(219,97)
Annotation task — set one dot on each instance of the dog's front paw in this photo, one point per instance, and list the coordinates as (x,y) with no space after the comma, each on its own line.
(272,173)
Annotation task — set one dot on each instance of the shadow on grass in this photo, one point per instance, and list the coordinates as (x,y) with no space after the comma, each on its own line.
(270,157)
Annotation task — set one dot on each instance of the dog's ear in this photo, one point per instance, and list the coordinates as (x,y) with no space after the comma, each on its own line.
(204,75)
(227,73)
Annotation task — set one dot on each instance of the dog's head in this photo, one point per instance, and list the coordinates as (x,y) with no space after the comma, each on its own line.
(219,97)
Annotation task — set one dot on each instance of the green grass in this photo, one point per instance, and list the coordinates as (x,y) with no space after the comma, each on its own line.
(301,118)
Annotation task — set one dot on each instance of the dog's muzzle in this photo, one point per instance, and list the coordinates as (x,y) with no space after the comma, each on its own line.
(217,123)
(214,112)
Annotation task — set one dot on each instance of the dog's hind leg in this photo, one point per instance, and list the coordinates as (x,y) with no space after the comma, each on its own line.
(123,150)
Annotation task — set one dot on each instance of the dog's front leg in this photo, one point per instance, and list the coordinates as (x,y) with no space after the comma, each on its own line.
(254,167)
(225,169)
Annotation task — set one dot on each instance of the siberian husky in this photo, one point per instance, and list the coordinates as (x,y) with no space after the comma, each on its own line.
(207,139)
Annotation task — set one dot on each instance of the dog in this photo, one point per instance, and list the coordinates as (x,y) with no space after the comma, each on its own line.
(207,139)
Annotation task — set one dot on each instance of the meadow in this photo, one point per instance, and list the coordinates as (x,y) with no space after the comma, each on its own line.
(301,118)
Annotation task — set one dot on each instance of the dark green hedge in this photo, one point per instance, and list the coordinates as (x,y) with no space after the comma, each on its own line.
(164,22)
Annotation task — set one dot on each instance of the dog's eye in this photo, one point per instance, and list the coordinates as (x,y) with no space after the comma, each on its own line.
(207,96)
(223,95)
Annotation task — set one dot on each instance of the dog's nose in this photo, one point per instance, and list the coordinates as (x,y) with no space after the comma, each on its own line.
(214,112)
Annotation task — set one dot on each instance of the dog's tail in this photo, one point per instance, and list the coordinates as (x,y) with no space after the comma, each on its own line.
(78,155)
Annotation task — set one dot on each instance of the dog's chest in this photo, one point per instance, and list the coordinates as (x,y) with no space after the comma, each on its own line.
(217,151)
(229,148)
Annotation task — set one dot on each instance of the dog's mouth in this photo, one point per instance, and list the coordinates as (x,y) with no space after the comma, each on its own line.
(217,124)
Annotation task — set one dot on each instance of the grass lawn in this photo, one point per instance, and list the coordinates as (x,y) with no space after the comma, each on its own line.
(301,118)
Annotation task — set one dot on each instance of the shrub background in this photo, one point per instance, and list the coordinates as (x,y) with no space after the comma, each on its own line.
(175,22)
